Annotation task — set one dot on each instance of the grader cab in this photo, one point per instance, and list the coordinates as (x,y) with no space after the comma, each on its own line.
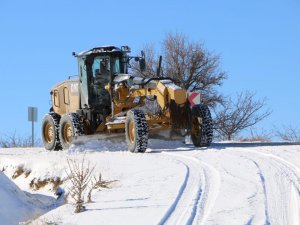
(106,100)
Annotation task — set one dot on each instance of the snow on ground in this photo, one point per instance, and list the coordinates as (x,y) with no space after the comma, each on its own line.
(15,204)
(172,183)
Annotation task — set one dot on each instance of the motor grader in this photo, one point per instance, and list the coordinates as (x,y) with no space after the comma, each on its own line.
(104,100)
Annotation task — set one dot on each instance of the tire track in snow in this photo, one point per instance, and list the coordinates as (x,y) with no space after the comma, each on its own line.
(179,195)
(291,169)
(281,184)
(198,196)
(288,164)
(294,176)
(211,192)
(263,184)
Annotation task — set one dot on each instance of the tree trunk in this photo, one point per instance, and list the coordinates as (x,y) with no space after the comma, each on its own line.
(229,137)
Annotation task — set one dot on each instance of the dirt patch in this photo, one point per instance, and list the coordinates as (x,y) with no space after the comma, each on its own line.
(19,171)
(37,184)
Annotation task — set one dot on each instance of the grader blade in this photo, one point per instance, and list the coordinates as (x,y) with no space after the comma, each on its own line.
(115,138)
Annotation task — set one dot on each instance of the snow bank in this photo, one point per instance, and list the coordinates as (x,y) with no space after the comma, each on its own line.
(15,205)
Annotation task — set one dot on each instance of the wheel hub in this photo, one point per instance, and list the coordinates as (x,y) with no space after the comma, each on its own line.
(49,133)
(196,126)
(131,132)
(68,133)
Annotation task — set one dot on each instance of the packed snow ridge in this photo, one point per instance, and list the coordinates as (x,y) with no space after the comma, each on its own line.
(172,183)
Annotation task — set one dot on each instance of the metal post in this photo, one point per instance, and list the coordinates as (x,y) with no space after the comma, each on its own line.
(32,117)
(32,134)
(159,67)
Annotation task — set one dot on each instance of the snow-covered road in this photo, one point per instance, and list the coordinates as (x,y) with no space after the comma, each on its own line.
(197,194)
(172,183)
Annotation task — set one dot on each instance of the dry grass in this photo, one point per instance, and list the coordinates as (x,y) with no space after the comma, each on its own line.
(257,136)
(19,171)
(256,139)
(37,184)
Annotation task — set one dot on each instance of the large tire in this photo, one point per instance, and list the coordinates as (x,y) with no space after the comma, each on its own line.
(50,132)
(70,126)
(202,126)
(136,131)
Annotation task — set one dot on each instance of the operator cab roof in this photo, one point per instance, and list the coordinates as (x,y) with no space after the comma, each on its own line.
(102,49)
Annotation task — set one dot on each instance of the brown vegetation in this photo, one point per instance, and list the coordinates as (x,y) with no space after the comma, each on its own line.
(19,171)
(37,184)
(80,173)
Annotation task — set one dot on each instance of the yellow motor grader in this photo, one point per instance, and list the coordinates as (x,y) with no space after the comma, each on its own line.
(105,100)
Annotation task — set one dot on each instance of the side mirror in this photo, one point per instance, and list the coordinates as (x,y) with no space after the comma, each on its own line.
(142,62)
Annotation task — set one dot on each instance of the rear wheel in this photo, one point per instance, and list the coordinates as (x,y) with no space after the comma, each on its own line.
(202,127)
(50,131)
(70,126)
(136,131)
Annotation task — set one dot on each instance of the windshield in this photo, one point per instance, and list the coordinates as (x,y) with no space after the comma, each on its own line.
(116,66)
(101,66)
(106,65)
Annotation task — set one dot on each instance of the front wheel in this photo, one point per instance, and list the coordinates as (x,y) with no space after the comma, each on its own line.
(202,126)
(136,131)
(70,126)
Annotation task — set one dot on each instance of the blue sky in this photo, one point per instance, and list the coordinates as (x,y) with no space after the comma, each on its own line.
(259,44)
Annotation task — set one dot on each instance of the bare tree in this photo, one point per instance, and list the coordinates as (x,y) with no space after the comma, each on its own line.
(80,175)
(13,140)
(151,63)
(197,68)
(235,116)
(288,133)
(193,67)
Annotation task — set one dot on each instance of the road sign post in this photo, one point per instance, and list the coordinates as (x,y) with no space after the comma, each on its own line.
(32,117)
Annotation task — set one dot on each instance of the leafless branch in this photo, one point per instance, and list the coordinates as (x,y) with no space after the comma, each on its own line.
(151,63)
(288,133)
(190,64)
(235,116)
(80,175)
(97,183)
(13,140)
